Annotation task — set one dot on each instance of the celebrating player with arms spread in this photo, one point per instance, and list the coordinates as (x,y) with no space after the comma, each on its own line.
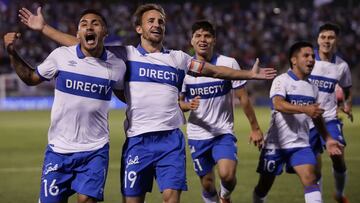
(155,146)
(295,101)
(77,156)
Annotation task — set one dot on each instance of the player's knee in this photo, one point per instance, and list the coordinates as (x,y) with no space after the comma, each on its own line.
(85,199)
(171,196)
(309,179)
(227,175)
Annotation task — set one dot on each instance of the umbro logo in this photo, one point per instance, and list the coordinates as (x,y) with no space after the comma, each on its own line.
(72,63)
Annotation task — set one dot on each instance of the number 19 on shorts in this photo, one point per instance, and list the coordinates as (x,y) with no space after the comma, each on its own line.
(130,178)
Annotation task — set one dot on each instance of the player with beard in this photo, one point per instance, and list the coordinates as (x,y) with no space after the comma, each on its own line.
(77,156)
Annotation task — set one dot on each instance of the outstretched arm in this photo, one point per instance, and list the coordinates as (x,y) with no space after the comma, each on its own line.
(187,106)
(256,135)
(200,68)
(37,22)
(23,70)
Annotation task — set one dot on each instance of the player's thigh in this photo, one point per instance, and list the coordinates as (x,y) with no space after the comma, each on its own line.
(170,167)
(271,162)
(91,174)
(227,169)
(306,173)
(201,155)
(137,170)
(56,178)
(303,161)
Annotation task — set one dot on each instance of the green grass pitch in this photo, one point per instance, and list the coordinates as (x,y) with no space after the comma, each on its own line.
(23,137)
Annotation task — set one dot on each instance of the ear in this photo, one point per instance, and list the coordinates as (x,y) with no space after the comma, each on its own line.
(139,29)
(192,41)
(77,35)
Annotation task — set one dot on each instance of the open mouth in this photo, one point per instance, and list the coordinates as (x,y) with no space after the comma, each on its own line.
(90,38)
(156,32)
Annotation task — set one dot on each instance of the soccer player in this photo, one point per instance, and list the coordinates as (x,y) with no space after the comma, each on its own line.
(294,101)
(77,155)
(210,125)
(155,146)
(328,71)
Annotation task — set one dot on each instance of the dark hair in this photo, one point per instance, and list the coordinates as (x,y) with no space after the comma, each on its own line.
(330,26)
(93,11)
(295,48)
(205,25)
(142,9)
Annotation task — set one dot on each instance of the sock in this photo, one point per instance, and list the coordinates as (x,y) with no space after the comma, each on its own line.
(312,194)
(340,180)
(209,197)
(224,192)
(257,198)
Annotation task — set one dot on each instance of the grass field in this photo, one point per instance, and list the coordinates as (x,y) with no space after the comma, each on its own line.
(23,137)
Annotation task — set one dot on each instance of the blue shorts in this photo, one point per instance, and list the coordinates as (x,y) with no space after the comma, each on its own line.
(155,154)
(272,160)
(80,172)
(317,143)
(206,153)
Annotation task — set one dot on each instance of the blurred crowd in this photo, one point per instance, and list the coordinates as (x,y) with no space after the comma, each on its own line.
(245,30)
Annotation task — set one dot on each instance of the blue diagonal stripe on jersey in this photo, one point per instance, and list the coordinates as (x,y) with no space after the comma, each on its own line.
(83,85)
(208,90)
(324,84)
(301,100)
(147,72)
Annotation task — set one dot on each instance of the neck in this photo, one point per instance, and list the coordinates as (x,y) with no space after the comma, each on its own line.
(326,56)
(206,57)
(93,53)
(151,47)
(299,74)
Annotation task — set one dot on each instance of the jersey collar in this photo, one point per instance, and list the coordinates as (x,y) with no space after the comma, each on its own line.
(144,52)
(292,75)
(81,55)
(213,59)
(317,56)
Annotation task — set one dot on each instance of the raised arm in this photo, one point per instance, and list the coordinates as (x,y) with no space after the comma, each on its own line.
(38,23)
(200,68)
(23,70)
(256,135)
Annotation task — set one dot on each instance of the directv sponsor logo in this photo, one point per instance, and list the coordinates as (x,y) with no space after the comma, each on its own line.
(208,90)
(146,72)
(87,86)
(158,74)
(300,100)
(324,84)
(84,85)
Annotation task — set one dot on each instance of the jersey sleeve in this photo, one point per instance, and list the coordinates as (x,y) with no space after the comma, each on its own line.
(345,80)
(119,84)
(236,84)
(182,59)
(278,88)
(49,67)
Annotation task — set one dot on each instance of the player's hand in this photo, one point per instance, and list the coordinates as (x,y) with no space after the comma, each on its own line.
(262,73)
(256,137)
(35,22)
(334,147)
(9,41)
(194,103)
(347,110)
(313,110)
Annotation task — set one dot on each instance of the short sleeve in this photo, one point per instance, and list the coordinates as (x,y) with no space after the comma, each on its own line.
(49,67)
(182,59)
(278,88)
(345,80)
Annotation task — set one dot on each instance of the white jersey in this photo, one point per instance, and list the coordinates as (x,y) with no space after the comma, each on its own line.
(290,130)
(152,87)
(83,89)
(325,76)
(214,115)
